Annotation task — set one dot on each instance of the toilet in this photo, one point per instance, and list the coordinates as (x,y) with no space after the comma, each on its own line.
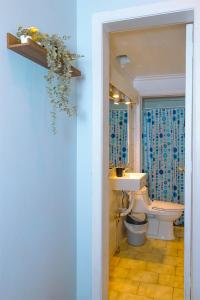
(161,215)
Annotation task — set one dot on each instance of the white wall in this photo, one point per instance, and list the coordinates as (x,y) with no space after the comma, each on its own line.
(38,170)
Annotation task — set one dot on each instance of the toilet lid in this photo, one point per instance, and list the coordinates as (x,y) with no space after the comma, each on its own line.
(163,205)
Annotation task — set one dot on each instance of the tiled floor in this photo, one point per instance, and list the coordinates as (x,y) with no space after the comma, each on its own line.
(153,271)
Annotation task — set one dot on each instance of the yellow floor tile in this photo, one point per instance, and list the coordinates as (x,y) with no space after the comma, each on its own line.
(124,245)
(171,252)
(155,291)
(180,271)
(181,252)
(158,251)
(151,257)
(146,248)
(128,286)
(118,272)
(138,265)
(171,280)
(178,294)
(176,244)
(161,268)
(125,262)
(173,261)
(125,296)
(158,243)
(179,231)
(143,248)
(129,254)
(153,271)
(113,295)
(143,276)
(114,260)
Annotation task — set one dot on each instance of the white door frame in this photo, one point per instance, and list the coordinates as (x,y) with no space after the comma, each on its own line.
(160,13)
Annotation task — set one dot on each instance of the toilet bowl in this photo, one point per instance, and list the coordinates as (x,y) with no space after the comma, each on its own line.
(161,215)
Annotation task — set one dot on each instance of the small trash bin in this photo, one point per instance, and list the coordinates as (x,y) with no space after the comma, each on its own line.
(136,225)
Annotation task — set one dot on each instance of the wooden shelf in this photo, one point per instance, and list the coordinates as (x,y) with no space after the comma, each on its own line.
(32,51)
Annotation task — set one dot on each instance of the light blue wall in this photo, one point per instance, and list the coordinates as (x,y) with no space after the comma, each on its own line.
(85,10)
(37,169)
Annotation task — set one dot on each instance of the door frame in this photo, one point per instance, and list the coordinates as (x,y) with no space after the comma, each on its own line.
(160,13)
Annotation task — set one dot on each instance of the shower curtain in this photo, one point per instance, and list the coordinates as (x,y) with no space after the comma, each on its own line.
(164,152)
(118,148)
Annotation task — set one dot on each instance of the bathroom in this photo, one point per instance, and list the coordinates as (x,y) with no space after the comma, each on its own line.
(147,138)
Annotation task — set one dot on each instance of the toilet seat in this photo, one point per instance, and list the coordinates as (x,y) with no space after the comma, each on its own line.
(163,206)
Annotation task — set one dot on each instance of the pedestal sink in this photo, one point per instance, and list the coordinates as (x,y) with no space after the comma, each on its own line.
(129,182)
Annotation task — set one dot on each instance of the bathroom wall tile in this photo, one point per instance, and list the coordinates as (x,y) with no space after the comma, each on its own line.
(173,261)
(178,294)
(143,276)
(180,271)
(128,286)
(159,292)
(161,268)
(171,280)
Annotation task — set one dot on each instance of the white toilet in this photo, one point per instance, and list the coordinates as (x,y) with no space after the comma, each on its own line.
(161,215)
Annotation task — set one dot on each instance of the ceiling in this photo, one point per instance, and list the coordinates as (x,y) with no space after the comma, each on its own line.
(152,51)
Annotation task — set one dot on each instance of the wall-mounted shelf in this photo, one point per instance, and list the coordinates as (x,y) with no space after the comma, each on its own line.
(32,51)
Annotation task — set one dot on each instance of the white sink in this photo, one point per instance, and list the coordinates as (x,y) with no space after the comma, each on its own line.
(129,182)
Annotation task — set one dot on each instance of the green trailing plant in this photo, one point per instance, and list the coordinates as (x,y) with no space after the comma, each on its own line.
(59,60)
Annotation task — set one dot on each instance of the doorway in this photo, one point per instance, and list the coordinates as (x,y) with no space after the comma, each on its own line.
(103,23)
(153,266)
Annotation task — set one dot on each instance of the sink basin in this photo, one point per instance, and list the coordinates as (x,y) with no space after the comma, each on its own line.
(129,182)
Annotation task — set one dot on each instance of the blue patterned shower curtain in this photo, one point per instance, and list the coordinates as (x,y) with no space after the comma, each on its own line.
(118,147)
(164,152)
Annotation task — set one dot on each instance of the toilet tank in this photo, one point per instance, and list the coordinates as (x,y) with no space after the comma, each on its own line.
(141,200)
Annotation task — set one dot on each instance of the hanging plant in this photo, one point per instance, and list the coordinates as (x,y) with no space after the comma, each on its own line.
(58,79)
(59,61)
